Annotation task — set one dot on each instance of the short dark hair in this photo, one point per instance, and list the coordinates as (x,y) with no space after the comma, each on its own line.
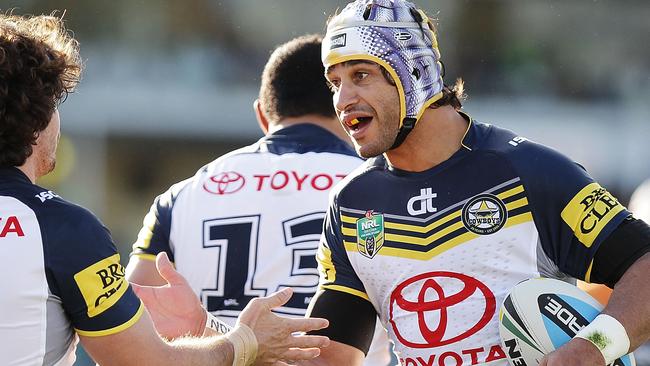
(39,66)
(293,83)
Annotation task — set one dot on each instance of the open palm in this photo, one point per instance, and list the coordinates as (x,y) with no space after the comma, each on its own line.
(174,308)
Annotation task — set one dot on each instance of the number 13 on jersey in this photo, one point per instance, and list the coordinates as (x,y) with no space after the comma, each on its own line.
(249,267)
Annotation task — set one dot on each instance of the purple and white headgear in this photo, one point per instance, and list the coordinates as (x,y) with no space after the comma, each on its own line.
(400,38)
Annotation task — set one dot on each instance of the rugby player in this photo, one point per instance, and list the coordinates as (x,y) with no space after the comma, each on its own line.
(449,213)
(61,278)
(249,222)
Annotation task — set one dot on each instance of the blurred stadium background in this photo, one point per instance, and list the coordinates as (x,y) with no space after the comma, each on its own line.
(169,85)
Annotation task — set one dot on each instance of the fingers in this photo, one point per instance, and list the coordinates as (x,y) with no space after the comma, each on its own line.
(277,299)
(167,271)
(309,341)
(306,324)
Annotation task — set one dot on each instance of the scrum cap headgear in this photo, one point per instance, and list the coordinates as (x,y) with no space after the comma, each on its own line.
(400,38)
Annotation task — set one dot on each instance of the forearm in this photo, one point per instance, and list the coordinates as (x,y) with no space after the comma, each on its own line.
(630,302)
(216,350)
(140,345)
(213,351)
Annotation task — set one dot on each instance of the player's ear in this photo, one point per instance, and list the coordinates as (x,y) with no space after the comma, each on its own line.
(261,118)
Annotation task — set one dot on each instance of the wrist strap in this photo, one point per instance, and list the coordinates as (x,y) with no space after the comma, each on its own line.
(608,335)
(216,324)
(244,344)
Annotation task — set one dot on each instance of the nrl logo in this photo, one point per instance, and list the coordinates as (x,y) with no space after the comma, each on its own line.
(370,234)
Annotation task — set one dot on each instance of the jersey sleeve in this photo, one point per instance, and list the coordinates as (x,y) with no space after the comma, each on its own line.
(83,269)
(573,213)
(334,267)
(153,237)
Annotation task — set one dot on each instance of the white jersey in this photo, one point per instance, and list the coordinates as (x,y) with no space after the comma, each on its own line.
(61,276)
(436,252)
(249,223)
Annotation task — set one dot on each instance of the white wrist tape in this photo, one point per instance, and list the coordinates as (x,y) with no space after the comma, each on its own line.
(608,335)
(217,324)
(245,345)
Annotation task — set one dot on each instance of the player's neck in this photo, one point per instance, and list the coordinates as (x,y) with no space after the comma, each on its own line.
(435,138)
(330,124)
(30,169)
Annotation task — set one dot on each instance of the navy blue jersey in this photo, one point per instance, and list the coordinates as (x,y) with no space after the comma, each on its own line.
(61,275)
(435,252)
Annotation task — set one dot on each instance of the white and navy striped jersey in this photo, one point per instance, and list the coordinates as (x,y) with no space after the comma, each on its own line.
(60,276)
(248,223)
(436,252)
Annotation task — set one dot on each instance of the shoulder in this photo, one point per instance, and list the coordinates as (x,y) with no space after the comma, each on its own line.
(369,170)
(53,210)
(526,156)
(56,217)
(70,228)
(56,224)
(71,235)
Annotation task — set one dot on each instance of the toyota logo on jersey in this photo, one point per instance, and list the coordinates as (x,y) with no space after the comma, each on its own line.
(428,310)
(224,183)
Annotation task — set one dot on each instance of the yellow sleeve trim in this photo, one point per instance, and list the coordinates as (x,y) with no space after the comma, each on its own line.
(150,257)
(117,329)
(145,256)
(348,290)
(588,274)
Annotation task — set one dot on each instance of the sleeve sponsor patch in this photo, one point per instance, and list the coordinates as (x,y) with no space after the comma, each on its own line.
(589,211)
(102,284)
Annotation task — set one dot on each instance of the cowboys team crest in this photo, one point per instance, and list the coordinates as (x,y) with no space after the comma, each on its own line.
(484,214)
(370,234)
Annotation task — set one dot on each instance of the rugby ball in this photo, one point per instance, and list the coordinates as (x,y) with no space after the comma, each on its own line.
(541,314)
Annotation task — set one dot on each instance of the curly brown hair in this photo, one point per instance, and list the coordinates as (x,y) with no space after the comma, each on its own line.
(39,66)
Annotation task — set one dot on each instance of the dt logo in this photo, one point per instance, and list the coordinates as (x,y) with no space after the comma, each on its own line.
(435,309)
(224,183)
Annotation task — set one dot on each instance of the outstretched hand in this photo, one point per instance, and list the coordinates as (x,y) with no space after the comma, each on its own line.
(176,311)
(281,339)
(174,308)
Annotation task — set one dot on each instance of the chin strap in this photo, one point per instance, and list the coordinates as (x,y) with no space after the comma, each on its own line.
(407,126)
